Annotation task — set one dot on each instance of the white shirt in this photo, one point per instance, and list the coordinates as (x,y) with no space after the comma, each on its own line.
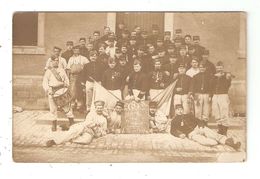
(77,60)
(192,72)
(49,80)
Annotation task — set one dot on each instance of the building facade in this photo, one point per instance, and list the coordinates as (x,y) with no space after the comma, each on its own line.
(224,34)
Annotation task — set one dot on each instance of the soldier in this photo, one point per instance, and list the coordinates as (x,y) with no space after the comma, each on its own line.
(155,33)
(69,52)
(170,50)
(172,67)
(90,47)
(162,56)
(94,126)
(125,53)
(184,58)
(187,41)
(159,123)
(186,125)
(91,71)
(201,88)
(143,58)
(114,122)
(177,44)
(54,79)
(194,67)
(198,48)
(124,68)
(182,89)
(118,54)
(106,33)
(144,38)
(220,101)
(191,52)
(74,68)
(112,79)
(167,39)
(83,48)
(96,39)
(61,61)
(124,39)
(210,67)
(158,79)
(178,35)
(102,56)
(111,48)
(159,43)
(138,83)
(119,30)
(132,49)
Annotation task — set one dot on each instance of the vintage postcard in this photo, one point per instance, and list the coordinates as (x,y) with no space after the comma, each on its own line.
(129,87)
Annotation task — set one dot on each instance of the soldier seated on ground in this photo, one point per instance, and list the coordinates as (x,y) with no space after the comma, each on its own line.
(94,126)
(114,121)
(186,125)
(159,123)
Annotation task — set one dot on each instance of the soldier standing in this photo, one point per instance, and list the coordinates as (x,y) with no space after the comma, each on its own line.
(69,52)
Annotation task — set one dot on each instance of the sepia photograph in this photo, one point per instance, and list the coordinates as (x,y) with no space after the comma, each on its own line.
(124,87)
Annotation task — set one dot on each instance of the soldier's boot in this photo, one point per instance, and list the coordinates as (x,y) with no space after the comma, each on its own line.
(230,142)
(224,130)
(54,125)
(71,121)
(220,129)
(66,127)
(50,143)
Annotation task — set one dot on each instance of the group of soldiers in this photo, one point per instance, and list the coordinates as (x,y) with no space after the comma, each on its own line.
(135,65)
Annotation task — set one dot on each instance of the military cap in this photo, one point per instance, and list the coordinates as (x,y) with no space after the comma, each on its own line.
(58,48)
(142,48)
(82,38)
(144,32)
(136,62)
(183,47)
(132,38)
(120,103)
(69,43)
(171,46)
(196,37)
(178,31)
(155,27)
(181,65)
(219,63)
(195,58)
(92,52)
(156,60)
(178,40)
(76,47)
(205,52)
(187,35)
(153,104)
(191,47)
(96,32)
(167,33)
(177,106)
(99,103)
(173,56)
(161,49)
(111,60)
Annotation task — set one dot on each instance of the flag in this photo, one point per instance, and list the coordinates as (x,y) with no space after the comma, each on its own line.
(100,93)
(164,99)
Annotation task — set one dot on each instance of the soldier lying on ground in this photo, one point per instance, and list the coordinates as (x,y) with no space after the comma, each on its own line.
(94,126)
(185,125)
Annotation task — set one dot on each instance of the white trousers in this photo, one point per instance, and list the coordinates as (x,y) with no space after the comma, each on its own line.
(184,101)
(220,108)
(202,106)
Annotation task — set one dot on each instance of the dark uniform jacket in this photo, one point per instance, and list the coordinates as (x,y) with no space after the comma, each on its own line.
(221,84)
(91,70)
(184,82)
(184,124)
(172,68)
(156,78)
(84,52)
(124,70)
(210,67)
(139,81)
(186,60)
(112,79)
(201,83)
(199,51)
(67,54)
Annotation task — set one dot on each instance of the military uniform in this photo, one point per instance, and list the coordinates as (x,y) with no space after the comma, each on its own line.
(199,50)
(138,84)
(201,89)
(62,63)
(220,101)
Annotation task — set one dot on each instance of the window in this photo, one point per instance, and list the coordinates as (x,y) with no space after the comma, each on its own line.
(28,33)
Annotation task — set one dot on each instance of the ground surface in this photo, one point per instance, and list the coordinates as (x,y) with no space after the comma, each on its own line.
(31,130)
